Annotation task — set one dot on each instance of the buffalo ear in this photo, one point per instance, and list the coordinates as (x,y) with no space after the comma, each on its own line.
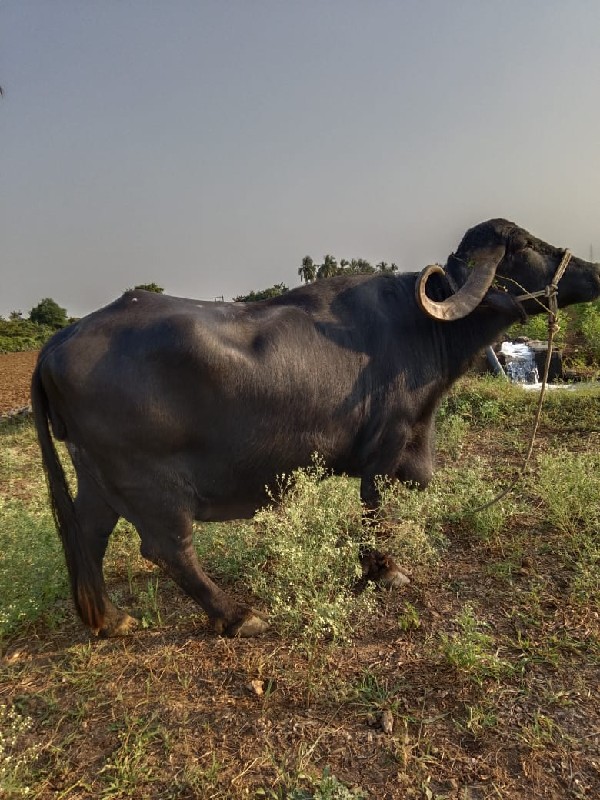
(504,303)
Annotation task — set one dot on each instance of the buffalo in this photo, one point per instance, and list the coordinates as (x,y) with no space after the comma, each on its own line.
(175,410)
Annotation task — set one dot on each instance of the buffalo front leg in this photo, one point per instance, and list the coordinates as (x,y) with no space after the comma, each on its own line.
(376,566)
(168,543)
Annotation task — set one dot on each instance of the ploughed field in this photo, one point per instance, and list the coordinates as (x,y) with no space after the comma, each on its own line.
(15,377)
(478,680)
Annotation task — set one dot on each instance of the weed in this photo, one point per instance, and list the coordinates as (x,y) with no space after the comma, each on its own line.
(306,555)
(372,695)
(197,779)
(590,328)
(569,485)
(541,731)
(130,766)
(451,435)
(325,787)
(409,620)
(149,603)
(14,758)
(480,718)
(32,572)
(471,651)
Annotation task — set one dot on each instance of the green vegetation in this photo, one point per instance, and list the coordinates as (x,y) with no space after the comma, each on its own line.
(471,649)
(18,335)
(478,673)
(150,287)
(309,271)
(264,294)
(49,313)
(579,333)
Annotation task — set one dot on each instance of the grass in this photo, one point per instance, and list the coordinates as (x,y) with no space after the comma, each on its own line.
(471,650)
(486,665)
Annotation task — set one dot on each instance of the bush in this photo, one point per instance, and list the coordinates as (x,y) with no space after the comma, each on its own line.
(299,554)
(19,335)
(590,330)
(579,328)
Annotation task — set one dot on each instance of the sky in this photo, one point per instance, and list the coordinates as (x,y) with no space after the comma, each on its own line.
(209,145)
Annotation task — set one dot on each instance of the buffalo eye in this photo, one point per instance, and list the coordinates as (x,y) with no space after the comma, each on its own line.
(518,243)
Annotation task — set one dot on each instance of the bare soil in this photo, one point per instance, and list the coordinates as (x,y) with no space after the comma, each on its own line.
(15,380)
(175,711)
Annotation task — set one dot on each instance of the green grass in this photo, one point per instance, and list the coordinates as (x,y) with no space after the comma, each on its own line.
(471,649)
(32,572)
(493,648)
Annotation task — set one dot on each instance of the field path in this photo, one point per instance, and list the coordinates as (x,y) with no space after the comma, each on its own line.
(15,378)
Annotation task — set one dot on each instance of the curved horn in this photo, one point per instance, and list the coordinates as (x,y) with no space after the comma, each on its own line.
(466,298)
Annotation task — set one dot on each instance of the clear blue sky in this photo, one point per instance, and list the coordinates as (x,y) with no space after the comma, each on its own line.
(210,145)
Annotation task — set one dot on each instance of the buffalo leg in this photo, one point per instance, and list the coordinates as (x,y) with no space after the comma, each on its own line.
(376,566)
(96,522)
(167,542)
(416,462)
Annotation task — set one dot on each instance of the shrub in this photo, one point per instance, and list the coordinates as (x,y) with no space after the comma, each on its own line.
(590,329)
(19,335)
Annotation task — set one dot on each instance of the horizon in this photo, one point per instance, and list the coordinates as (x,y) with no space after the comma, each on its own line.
(210,147)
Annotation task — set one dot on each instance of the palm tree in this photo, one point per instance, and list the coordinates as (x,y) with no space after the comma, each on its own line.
(361,266)
(383,266)
(328,268)
(308,271)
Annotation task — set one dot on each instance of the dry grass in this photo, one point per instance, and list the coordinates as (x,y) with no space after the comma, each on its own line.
(486,667)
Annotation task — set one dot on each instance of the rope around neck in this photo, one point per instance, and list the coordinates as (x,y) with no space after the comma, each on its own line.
(551,293)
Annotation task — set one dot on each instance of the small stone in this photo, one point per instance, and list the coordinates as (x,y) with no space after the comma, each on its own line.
(257,687)
(387,721)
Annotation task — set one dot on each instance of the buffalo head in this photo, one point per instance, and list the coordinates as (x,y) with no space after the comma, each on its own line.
(497,263)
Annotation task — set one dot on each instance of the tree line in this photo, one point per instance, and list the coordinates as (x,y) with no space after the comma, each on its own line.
(20,332)
(309,271)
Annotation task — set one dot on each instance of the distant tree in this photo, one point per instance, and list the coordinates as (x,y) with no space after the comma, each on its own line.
(308,271)
(15,315)
(48,312)
(150,287)
(360,266)
(383,266)
(264,294)
(328,268)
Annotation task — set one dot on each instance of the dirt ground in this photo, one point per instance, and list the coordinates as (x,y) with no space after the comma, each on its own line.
(15,377)
(174,711)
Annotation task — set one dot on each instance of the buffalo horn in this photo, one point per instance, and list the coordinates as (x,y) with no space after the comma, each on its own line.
(466,298)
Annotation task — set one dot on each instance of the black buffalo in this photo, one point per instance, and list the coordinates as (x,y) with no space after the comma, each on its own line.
(175,410)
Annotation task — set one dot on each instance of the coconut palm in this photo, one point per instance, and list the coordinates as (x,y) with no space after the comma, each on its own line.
(308,271)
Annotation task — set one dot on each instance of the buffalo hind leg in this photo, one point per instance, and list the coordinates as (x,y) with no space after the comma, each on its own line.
(96,522)
(167,542)
(376,566)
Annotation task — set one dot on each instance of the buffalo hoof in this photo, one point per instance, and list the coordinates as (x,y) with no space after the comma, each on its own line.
(382,569)
(393,578)
(118,626)
(252,624)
